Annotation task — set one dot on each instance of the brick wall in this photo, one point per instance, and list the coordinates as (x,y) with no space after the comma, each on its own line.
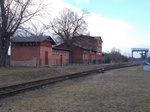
(77,55)
(30,63)
(23,55)
(60,57)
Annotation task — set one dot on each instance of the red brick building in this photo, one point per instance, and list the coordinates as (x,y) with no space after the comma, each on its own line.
(86,49)
(36,51)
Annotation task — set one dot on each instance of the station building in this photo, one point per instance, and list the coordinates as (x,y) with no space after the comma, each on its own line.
(40,51)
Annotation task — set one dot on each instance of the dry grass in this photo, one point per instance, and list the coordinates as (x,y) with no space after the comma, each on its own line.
(123,90)
(14,75)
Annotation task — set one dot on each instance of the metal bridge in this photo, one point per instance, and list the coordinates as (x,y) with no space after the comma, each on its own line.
(142,51)
(144,55)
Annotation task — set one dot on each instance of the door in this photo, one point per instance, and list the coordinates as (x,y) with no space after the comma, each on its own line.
(61,59)
(46,57)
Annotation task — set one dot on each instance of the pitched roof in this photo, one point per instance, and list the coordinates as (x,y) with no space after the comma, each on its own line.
(82,47)
(63,49)
(79,46)
(97,37)
(85,48)
(88,36)
(31,39)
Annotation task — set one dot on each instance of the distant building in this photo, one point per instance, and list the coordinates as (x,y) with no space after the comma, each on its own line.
(36,51)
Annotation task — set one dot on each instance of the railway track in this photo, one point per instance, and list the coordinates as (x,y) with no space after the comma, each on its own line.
(15,89)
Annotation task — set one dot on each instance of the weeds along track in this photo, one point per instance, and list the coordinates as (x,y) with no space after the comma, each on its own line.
(15,89)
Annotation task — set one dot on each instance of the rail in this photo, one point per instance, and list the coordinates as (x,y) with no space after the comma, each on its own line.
(15,89)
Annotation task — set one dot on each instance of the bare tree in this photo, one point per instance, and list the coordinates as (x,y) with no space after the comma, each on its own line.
(116,56)
(13,13)
(38,29)
(68,25)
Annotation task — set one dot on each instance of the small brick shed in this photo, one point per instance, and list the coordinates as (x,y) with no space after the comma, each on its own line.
(36,52)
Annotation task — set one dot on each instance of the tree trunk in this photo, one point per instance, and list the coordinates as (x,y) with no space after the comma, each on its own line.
(4,53)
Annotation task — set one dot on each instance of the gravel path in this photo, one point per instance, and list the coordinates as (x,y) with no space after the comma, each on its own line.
(123,90)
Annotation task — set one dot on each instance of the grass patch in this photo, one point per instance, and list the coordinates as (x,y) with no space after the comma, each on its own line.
(123,90)
(14,75)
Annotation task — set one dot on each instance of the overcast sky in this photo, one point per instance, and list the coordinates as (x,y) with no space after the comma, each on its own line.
(123,24)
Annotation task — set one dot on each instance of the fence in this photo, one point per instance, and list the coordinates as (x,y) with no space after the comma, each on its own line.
(57,62)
